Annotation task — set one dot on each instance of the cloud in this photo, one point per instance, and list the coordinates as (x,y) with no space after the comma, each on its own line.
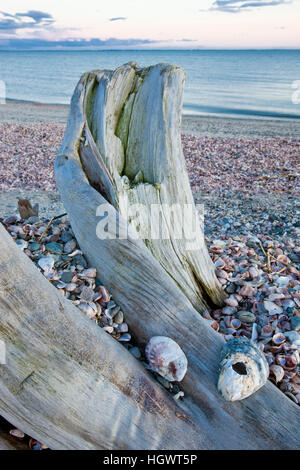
(236,6)
(30,19)
(118,18)
(94,43)
(36,15)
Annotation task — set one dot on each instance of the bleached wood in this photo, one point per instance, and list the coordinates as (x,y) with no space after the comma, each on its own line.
(153,282)
(67,383)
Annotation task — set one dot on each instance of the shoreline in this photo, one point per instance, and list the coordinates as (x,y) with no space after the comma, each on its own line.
(26,112)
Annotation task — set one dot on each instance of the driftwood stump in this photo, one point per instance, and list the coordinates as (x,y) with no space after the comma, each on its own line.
(122,147)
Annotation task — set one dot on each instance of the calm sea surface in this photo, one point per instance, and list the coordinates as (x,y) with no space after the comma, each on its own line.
(218,83)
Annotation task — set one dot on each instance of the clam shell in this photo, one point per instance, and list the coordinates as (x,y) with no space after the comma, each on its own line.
(166,358)
(243,369)
(46,263)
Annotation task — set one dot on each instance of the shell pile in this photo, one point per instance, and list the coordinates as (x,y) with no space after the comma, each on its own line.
(166,358)
(262,280)
(243,369)
(60,260)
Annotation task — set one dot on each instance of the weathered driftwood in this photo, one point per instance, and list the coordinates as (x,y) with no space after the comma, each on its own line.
(125,129)
(123,141)
(67,383)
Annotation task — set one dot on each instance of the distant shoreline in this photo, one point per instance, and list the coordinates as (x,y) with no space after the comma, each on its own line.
(188,112)
(28,112)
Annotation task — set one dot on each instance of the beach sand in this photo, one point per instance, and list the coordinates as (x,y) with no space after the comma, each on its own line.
(30,113)
(229,158)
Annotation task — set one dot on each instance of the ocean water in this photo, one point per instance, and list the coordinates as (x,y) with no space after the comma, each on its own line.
(218,83)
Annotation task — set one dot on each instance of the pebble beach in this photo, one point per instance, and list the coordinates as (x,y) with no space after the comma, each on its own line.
(248,182)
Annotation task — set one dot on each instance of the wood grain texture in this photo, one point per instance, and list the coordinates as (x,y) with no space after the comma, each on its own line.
(146,280)
(67,383)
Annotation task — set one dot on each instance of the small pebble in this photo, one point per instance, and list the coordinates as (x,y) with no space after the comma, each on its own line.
(295,323)
(135,352)
(70,246)
(125,337)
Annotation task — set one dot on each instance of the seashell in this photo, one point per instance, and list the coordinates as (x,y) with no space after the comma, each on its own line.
(105,294)
(266,331)
(227,322)
(166,358)
(231,301)
(123,328)
(253,272)
(295,323)
(61,285)
(17,433)
(230,331)
(74,253)
(87,294)
(178,395)
(247,291)
(290,362)
(124,338)
(235,323)
(291,396)
(36,445)
(254,333)
(216,249)
(46,263)
(274,349)
(220,263)
(90,272)
(283,281)
(87,310)
(228,310)
(277,371)
(108,329)
(280,360)
(71,286)
(293,337)
(222,274)
(276,297)
(278,339)
(207,315)
(283,259)
(243,369)
(214,324)
(246,317)
(288,303)
(272,308)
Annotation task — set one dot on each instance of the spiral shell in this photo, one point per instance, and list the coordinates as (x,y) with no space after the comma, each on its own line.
(166,358)
(243,369)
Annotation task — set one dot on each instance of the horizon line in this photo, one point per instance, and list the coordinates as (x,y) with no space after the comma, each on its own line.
(64,49)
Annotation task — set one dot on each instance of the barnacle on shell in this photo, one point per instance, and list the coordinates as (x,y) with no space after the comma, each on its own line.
(243,369)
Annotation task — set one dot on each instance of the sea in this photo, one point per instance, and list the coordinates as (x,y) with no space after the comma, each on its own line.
(223,83)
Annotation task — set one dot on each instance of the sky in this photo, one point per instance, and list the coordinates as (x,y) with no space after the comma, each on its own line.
(140,24)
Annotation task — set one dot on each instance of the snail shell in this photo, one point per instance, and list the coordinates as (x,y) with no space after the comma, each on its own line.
(166,358)
(243,369)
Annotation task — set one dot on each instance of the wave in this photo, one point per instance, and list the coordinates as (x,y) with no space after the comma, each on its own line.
(236,112)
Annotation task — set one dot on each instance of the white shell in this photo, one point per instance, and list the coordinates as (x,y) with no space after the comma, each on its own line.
(166,358)
(244,369)
(46,263)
